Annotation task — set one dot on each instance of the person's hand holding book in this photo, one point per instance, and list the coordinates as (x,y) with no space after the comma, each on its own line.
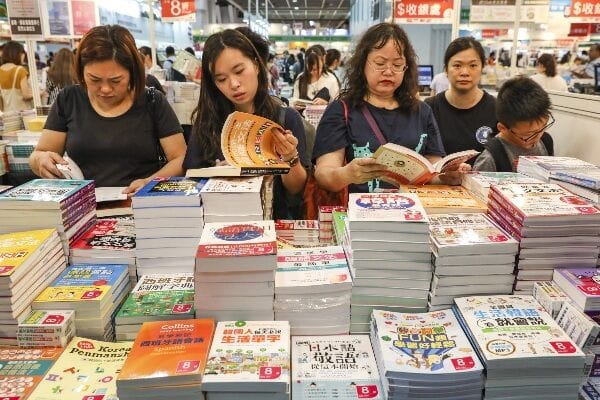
(361,170)
(286,145)
(45,165)
(454,177)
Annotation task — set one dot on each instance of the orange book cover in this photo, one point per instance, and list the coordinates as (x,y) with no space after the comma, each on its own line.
(168,353)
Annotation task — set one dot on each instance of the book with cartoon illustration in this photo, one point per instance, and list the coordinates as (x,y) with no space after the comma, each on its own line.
(582,285)
(339,367)
(249,356)
(396,212)
(87,369)
(406,166)
(248,146)
(446,199)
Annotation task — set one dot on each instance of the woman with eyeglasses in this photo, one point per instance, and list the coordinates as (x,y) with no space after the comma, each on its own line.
(382,87)
(465,114)
(523,109)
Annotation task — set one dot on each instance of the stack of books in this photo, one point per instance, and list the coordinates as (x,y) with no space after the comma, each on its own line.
(234,199)
(582,287)
(29,261)
(87,369)
(478,183)
(48,328)
(314,112)
(17,155)
(445,199)
(471,255)
(69,206)
(546,167)
(425,356)
(391,259)
(549,295)
(249,360)
(326,222)
(167,360)
(93,291)
(313,287)
(11,121)
(168,217)
(21,370)
(157,297)
(525,353)
(109,241)
(334,367)
(235,271)
(555,228)
(584,182)
(298,233)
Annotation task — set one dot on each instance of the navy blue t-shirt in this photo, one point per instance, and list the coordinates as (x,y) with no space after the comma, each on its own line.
(416,130)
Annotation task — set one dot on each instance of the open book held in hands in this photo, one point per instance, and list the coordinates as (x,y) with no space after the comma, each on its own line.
(406,166)
(248,146)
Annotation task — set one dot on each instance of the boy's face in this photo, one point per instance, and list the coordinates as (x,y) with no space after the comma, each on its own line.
(525,134)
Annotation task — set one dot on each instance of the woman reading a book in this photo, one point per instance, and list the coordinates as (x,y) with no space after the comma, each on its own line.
(314,85)
(235,78)
(114,128)
(379,105)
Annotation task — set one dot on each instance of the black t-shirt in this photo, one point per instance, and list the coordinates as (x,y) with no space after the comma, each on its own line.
(464,129)
(117,150)
(416,130)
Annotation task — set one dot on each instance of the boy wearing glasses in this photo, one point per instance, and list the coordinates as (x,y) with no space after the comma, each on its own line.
(523,111)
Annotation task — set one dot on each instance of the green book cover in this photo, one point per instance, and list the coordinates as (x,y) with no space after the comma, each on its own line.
(339,226)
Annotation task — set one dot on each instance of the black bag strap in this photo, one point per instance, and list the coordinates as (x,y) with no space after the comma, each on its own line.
(150,106)
(374,127)
(548,143)
(498,152)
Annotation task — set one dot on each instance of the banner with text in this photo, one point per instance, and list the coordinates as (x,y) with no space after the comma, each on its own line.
(24,19)
(423,11)
(85,16)
(505,11)
(57,21)
(585,8)
(178,10)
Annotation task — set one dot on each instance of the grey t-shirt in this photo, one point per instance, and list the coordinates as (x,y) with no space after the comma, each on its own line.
(485,161)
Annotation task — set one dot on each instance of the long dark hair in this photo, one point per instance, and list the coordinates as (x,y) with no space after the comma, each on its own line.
(375,38)
(549,63)
(112,42)
(213,107)
(62,70)
(311,59)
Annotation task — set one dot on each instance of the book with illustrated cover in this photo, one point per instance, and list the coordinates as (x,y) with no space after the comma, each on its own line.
(173,191)
(461,234)
(586,177)
(406,166)
(582,285)
(21,370)
(445,199)
(249,184)
(186,63)
(248,147)
(367,211)
(334,367)
(21,250)
(545,167)
(581,328)
(249,356)
(511,330)
(51,328)
(87,369)
(479,182)
(159,297)
(168,353)
(107,235)
(45,194)
(253,238)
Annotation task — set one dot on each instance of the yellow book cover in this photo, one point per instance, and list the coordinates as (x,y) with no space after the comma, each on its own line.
(73,293)
(86,370)
(445,198)
(17,250)
(168,353)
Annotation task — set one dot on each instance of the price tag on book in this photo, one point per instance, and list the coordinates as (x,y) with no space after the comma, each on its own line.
(366,391)
(10,398)
(91,294)
(591,289)
(181,308)
(93,397)
(6,270)
(187,366)
(563,347)
(463,363)
(269,372)
(53,319)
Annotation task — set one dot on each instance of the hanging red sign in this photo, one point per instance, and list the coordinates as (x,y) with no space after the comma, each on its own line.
(585,8)
(178,10)
(423,9)
(579,29)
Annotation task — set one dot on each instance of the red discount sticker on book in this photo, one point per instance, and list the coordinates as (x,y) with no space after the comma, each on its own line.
(187,366)
(590,288)
(463,363)
(93,397)
(366,391)
(6,269)
(563,347)
(269,372)
(91,294)
(53,319)
(181,308)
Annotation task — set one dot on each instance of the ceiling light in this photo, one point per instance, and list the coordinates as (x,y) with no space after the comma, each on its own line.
(296,7)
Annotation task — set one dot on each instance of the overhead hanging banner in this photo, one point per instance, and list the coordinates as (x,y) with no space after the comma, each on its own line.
(505,11)
(423,11)
(24,19)
(585,8)
(85,16)
(178,10)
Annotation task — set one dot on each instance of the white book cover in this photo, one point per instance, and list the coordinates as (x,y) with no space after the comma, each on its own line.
(484,179)
(388,207)
(423,344)
(305,267)
(455,234)
(548,165)
(253,238)
(334,367)
(249,356)
(581,328)
(47,321)
(515,328)
(233,185)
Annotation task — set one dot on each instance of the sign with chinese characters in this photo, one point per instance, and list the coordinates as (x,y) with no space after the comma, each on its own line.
(58,20)
(24,19)
(579,29)
(585,8)
(85,16)
(505,11)
(423,11)
(178,10)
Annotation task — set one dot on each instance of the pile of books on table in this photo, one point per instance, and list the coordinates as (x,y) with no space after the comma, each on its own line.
(235,199)
(391,260)
(51,328)
(235,271)
(313,287)
(478,183)
(471,255)
(168,217)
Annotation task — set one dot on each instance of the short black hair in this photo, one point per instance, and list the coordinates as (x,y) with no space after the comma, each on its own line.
(462,44)
(169,50)
(521,100)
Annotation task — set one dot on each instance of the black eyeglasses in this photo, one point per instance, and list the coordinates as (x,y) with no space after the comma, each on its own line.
(526,137)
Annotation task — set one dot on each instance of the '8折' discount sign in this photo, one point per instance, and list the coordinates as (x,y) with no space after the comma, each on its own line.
(178,10)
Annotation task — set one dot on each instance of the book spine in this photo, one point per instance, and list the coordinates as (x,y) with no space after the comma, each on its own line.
(507,204)
(84,192)
(502,218)
(76,212)
(236,250)
(264,171)
(593,184)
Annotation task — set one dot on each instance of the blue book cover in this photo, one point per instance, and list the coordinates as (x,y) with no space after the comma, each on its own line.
(91,275)
(44,193)
(172,191)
